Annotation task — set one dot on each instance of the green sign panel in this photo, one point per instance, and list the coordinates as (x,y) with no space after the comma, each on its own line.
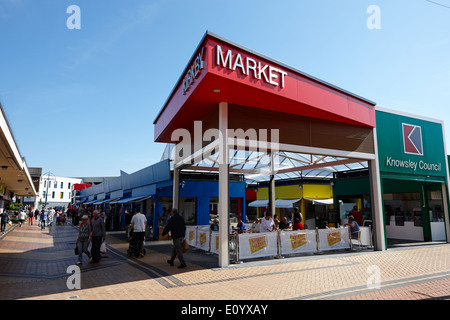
(410,146)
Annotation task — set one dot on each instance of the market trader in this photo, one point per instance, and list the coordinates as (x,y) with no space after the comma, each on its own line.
(354,227)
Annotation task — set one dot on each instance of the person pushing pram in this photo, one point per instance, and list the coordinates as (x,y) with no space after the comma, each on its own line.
(137,235)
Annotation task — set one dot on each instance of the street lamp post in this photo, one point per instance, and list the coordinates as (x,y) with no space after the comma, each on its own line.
(48,181)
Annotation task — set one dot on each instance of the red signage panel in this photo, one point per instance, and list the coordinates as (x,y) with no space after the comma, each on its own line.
(221,71)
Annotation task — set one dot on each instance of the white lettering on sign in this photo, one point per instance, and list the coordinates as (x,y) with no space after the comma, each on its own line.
(247,66)
(193,72)
(409,164)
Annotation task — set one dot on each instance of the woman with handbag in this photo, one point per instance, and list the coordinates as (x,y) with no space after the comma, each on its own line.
(84,237)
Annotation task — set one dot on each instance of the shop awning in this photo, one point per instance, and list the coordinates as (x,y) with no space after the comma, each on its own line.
(322,201)
(279,203)
(91,202)
(259,203)
(105,201)
(132,199)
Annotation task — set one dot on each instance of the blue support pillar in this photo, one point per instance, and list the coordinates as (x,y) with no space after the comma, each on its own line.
(244,214)
(157,213)
(202,211)
(123,216)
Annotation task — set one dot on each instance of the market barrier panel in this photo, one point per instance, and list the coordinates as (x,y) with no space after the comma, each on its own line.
(366,236)
(303,241)
(214,242)
(275,244)
(191,235)
(256,245)
(203,237)
(334,239)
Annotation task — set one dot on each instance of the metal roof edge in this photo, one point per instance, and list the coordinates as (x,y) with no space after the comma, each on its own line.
(410,115)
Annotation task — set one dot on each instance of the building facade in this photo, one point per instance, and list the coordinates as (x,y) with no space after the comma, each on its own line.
(56,191)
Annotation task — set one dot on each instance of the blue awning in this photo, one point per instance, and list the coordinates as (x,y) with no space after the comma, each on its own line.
(132,199)
(106,201)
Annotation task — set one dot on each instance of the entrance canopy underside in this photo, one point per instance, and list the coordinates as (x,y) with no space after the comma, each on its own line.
(255,165)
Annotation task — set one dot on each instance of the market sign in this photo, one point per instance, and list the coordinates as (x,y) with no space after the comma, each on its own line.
(409,145)
(250,67)
(193,72)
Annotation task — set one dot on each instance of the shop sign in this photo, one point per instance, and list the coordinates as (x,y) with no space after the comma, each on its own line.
(412,139)
(193,72)
(249,66)
(413,165)
(410,146)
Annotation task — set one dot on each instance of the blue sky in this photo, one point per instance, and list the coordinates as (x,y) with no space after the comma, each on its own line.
(82,102)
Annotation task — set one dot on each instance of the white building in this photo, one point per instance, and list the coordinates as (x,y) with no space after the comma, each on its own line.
(56,191)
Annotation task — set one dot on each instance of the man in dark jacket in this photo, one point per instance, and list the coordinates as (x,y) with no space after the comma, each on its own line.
(177,229)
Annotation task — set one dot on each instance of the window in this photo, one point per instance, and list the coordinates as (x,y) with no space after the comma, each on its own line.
(62,185)
(56,185)
(61,195)
(45,183)
(53,195)
(69,185)
(43,194)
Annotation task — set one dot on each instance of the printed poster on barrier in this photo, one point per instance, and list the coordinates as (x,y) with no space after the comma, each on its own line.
(191,235)
(334,239)
(261,245)
(257,244)
(298,241)
(214,242)
(203,242)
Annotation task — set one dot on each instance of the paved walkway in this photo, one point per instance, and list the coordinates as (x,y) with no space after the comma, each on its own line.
(34,265)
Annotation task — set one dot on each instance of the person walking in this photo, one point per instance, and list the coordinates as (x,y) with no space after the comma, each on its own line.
(30,217)
(138,226)
(22,217)
(84,237)
(177,228)
(36,214)
(98,236)
(43,217)
(4,220)
(51,216)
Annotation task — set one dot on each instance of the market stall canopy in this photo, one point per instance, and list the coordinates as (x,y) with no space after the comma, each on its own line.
(279,203)
(322,201)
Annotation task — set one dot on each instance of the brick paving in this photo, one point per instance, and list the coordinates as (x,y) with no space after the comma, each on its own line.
(34,266)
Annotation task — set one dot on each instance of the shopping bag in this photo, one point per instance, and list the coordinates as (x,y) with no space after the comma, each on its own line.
(103,247)
(185,246)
